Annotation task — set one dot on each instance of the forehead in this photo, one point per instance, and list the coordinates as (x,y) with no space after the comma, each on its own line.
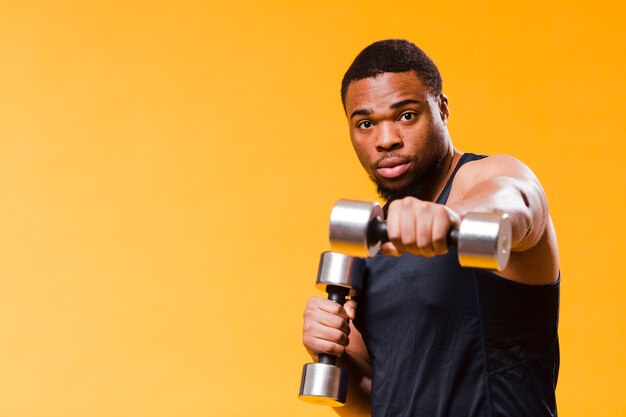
(385,89)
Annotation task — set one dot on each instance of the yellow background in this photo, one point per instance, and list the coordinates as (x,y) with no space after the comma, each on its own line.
(168,169)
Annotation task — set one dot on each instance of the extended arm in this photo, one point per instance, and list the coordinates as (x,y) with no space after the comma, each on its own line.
(503,184)
(494,184)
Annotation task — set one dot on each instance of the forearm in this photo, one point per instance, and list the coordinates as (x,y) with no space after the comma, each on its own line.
(359,388)
(523,200)
(360,372)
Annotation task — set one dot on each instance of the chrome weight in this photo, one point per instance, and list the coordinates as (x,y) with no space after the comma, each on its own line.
(485,240)
(340,270)
(324,384)
(350,221)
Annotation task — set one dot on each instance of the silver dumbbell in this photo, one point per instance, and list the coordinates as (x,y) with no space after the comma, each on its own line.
(483,240)
(324,382)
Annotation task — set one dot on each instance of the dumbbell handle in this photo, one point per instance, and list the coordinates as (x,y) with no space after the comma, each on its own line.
(377,232)
(337,294)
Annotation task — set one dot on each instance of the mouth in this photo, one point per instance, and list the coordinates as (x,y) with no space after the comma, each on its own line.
(393,167)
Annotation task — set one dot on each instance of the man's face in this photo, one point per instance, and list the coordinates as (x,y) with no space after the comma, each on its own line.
(398,131)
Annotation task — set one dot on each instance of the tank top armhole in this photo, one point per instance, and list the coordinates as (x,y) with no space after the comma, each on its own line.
(465,158)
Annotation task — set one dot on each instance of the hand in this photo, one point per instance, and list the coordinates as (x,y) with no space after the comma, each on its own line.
(418,227)
(327,326)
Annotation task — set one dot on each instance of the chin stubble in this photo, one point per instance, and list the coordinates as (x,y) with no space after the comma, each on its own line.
(415,187)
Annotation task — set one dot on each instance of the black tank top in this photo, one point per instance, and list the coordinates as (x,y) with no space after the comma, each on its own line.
(447,341)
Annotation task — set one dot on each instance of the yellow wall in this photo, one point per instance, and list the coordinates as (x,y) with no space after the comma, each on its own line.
(168,169)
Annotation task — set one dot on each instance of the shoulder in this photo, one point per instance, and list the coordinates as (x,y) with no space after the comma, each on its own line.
(503,169)
(495,165)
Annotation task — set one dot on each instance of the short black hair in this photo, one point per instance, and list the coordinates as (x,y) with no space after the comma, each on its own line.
(392,55)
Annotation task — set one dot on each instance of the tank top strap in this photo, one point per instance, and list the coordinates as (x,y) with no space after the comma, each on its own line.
(465,158)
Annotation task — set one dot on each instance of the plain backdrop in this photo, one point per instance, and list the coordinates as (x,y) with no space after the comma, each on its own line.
(168,169)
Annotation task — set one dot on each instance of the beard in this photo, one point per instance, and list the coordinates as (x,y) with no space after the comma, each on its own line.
(415,187)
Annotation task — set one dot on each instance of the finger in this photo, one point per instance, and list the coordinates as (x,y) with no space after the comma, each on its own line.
(350,307)
(389,249)
(332,321)
(331,348)
(394,228)
(455,218)
(317,345)
(321,339)
(314,331)
(408,229)
(424,234)
(331,307)
(314,317)
(441,227)
(330,335)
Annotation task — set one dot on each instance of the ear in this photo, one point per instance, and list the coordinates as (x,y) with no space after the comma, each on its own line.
(444,110)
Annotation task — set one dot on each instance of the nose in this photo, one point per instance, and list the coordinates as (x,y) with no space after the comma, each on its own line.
(388,138)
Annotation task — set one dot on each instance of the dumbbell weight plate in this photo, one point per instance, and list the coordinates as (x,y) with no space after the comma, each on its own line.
(340,270)
(324,384)
(349,232)
(485,240)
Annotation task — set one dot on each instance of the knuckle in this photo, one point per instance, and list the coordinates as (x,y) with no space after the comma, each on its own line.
(337,336)
(328,347)
(306,341)
(312,302)
(395,204)
(334,308)
(439,239)
(308,314)
(337,349)
(309,327)
(409,241)
(339,323)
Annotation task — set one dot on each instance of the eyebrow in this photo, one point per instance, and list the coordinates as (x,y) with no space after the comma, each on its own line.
(367,112)
(361,112)
(404,103)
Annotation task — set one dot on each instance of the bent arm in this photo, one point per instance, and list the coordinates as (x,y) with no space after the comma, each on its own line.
(327,328)
(356,353)
(357,361)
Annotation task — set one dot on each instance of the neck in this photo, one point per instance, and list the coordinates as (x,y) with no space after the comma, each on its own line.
(439,177)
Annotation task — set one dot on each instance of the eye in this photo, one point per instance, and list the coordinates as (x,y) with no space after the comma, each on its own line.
(365,124)
(407,116)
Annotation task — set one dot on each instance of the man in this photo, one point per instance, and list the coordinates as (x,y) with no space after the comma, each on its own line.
(427,337)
